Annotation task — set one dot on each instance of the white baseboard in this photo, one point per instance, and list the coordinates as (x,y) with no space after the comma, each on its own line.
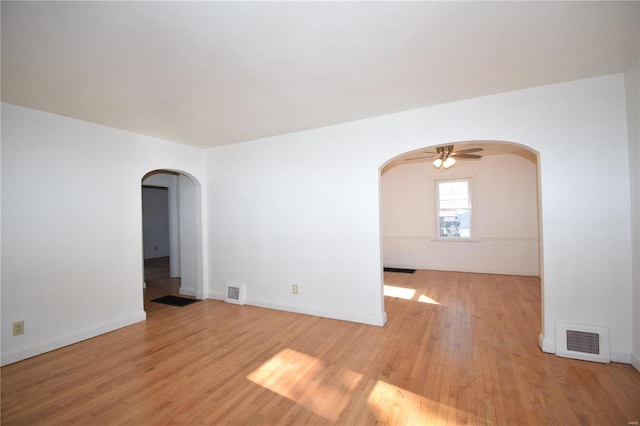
(462,268)
(617,356)
(59,342)
(218,295)
(635,361)
(546,345)
(187,292)
(549,346)
(343,316)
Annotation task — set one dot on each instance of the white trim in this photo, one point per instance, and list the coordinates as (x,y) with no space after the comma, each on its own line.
(215,295)
(59,342)
(546,345)
(635,361)
(305,310)
(188,292)
(479,239)
(174,229)
(463,268)
(619,356)
(343,316)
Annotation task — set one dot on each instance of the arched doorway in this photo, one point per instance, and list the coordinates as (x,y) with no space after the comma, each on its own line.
(504,187)
(184,228)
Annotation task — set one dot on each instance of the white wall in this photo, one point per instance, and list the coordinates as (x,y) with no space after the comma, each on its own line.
(301,209)
(290,210)
(632,86)
(506,210)
(304,208)
(71,255)
(190,220)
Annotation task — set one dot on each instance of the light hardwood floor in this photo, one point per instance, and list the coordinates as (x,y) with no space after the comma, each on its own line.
(463,350)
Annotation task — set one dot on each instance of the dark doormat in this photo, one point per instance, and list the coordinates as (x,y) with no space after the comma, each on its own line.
(401,270)
(175,301)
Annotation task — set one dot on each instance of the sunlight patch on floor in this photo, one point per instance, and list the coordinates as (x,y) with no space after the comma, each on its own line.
(407,294)
(394,405)
(426,299)
(399,292)
(304,380)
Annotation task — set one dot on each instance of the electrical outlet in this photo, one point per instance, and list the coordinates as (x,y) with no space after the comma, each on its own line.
(18,328)
(294,289)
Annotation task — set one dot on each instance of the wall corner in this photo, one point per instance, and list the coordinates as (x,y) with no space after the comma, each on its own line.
(546,345)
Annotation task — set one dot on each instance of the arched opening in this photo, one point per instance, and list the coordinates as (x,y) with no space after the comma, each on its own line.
(501,234)
(172,234)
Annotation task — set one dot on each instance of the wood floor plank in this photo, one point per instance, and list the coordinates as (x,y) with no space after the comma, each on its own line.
(461,350)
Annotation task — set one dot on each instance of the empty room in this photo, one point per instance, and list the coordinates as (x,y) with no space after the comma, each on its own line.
(320,213)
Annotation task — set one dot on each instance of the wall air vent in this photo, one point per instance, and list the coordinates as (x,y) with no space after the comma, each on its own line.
(235,294)
(589,343)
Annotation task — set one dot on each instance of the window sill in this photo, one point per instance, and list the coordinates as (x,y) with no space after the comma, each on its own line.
(456,240)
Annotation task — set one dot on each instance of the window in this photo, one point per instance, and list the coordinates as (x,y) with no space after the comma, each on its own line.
(454,209)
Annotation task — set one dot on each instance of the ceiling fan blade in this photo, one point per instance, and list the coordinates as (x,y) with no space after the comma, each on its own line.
(467,156)
(416,158)
(468,151)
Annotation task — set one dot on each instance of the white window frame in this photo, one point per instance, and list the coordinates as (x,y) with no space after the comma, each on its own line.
(472,210)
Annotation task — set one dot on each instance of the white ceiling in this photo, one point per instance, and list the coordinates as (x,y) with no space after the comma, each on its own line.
(214,73)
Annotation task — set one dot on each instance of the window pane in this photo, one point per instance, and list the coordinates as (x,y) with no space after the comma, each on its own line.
(455,224)
(454,194)
(454,209)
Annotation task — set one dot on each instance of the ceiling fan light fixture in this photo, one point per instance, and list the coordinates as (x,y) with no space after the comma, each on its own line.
(448,162)
(444,157)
